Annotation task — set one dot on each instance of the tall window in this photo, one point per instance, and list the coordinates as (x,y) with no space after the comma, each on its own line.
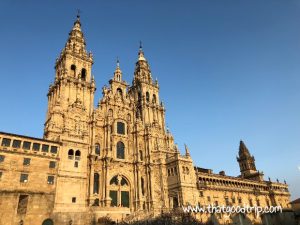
(97,149)
(50,180)
(120,128)
(73,70)
(119,191)
(120,150)
(147,97)
(77,155)
(175,202)
(83,74)
(154,99)
(22,204)
(71,154)
(119,91)
(96,183)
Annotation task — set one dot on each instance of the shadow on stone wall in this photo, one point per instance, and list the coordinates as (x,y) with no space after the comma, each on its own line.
(165,219)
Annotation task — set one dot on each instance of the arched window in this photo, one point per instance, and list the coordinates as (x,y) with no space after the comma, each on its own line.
(119,191)
(77,155)
(71,154)
(120,128)
(139,96)
(114,181)
(147,97)
(48,222)
(73,70)
(154,98)
(83,74)
(97,149)
(120,150)
(96,183)
(110,112)
(119,92)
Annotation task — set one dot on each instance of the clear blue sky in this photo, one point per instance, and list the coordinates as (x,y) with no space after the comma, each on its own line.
(228,70)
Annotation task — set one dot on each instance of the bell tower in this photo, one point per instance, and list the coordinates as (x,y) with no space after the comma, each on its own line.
(149,109)
(247,164)
(71,96)
(68,120)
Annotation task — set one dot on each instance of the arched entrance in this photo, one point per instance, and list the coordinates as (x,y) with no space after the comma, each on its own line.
(48,222)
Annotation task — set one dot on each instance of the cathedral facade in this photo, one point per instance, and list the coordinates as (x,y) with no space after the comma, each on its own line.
(116,159)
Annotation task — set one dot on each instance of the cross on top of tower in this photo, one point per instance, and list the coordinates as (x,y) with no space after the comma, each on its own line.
(78,13)
(141,46)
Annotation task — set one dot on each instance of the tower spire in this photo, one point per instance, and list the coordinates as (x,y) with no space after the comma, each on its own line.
(76,45)
(187,151)
(243,150)
(118,72)
(142,69)
(141,53)
(247,164)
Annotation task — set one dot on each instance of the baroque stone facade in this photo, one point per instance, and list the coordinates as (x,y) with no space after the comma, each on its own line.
(117,159)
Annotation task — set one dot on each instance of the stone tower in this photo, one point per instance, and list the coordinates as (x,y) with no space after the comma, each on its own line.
(247,164)
(71,96)
(146,93)
(68,121)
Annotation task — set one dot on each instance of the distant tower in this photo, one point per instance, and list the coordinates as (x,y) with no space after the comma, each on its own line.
(117,84)
(247,164)
(71,96)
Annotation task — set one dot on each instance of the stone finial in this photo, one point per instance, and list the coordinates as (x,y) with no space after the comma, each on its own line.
(187,151)
(141,53)
(118,72)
